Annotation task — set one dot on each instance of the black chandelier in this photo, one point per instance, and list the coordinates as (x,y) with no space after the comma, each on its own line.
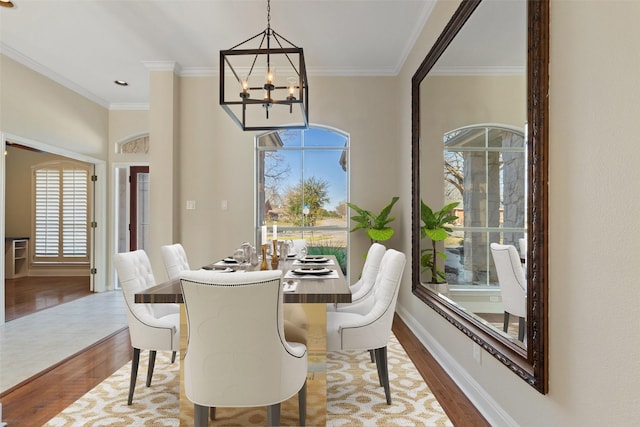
(266,85)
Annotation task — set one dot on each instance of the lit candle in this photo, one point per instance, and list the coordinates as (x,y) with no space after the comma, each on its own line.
(275,231)
(264,235)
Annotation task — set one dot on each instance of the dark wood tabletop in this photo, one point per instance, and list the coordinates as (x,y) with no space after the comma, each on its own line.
(308,290)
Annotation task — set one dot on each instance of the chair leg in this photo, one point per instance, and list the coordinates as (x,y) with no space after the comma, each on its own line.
(383,371)
(134,374)
(378,367)
(505,325)
(200,413)
(152,363)
(521,328)
(302,404)
(273,415)
(173,357)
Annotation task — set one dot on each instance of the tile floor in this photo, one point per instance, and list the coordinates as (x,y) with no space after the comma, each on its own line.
(32,343)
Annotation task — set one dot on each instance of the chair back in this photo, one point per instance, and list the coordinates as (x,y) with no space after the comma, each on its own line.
(364,286)
(135,275)
(522,244)
(297,245)
(513,285)
(175,260)
(237,354)
(374,328)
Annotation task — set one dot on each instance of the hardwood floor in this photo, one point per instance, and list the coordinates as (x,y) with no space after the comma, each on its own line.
(42,397)
(458,408)
(27,295)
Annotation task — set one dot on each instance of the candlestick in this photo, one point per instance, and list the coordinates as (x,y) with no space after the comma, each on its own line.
(275,231)
(274,256)
(263,265)
(264,235)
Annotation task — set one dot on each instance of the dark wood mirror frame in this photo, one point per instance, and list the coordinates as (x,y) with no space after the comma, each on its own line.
(530,365)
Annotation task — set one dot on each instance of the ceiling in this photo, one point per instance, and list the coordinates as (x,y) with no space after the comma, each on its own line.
(87,44)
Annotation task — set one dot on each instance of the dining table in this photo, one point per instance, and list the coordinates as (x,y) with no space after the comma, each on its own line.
(312,282)
(311,287)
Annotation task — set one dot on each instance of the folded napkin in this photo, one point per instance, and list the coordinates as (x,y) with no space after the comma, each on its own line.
(289,286)
(231,264)
(291,275)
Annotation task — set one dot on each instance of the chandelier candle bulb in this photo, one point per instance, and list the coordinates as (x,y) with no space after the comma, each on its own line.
(244,84)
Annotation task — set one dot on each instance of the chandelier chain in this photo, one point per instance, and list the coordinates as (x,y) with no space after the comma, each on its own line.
(268,14)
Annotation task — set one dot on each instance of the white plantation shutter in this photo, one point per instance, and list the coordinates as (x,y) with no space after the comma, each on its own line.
(47,212)
(61,213)
(74,212)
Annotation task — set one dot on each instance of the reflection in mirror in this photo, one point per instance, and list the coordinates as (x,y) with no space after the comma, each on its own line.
(484,171)
(473,99)
(480,78)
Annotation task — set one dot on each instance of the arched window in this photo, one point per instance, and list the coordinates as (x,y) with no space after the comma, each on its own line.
(136,145)
(303,187)
(485,171)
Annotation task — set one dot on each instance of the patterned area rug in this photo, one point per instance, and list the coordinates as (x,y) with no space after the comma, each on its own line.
(354,397)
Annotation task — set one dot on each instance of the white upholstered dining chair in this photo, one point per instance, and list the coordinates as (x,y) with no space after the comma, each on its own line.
(296,322)
(513,285)
(237,355)
(363,288)
(355,331)
(175,260)
(155,327)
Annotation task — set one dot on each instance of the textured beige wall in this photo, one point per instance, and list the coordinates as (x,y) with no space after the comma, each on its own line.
(163,164)
(594,335)
(34,107)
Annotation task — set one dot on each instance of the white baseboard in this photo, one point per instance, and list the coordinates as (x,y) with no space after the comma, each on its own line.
(488,407)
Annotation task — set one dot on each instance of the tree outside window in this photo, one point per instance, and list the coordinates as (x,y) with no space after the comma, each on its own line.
(302,185)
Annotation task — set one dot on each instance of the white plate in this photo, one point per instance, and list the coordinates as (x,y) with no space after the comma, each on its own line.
(317,271)
(312,258)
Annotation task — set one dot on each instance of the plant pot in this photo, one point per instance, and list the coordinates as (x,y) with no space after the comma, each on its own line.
(442,288)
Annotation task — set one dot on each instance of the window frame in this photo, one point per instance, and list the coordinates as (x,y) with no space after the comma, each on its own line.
(60,257)
(260,196)
(485,282)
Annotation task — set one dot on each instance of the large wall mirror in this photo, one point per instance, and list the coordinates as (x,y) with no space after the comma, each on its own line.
(479,139)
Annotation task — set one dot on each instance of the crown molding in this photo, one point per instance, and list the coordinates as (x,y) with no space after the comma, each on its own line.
(46,72)
(172,66)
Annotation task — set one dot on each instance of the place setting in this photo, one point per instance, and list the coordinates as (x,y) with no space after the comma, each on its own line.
(315,272)
(313,260)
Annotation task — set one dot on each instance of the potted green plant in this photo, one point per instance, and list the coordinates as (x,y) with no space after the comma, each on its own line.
(377,226)
(436,226)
